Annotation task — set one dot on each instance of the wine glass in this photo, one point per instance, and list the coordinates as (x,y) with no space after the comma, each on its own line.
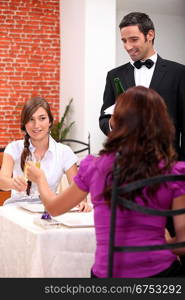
(33,190)
(28,158)
(45,215)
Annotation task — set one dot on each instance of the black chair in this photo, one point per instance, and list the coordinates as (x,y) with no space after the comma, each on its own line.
(118,199)
(73,141)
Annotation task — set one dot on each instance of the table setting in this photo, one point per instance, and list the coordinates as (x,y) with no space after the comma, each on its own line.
(34,247)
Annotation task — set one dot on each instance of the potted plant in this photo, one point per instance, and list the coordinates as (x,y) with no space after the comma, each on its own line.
(60,129)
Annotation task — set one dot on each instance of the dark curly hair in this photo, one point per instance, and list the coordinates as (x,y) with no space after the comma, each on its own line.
(143,134)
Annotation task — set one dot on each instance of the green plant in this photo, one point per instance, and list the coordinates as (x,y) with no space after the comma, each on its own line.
(60,129)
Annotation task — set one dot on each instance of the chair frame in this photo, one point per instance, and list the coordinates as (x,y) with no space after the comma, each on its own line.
(118,199)
(80,142)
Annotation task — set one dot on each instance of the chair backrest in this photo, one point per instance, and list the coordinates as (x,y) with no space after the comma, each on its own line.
(3,194)
(118,199)
(73,142)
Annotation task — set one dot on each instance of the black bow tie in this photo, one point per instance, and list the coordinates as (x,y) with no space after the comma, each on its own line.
(148,63)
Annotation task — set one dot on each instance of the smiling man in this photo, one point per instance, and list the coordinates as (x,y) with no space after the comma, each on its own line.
(148,69)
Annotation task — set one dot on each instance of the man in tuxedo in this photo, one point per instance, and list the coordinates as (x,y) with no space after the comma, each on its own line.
(147,68)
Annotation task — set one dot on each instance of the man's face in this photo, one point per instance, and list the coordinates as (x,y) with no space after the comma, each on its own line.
(136,43)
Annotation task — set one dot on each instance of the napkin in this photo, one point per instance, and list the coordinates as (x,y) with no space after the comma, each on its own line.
(109,110)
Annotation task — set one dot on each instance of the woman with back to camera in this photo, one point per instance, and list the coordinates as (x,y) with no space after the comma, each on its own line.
(55,158)
(143,134)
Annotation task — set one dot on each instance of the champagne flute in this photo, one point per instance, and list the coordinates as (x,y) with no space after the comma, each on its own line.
(28,158)
(45,215)
(36,160)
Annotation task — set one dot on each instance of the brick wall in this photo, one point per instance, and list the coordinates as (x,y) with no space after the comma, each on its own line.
(29,59)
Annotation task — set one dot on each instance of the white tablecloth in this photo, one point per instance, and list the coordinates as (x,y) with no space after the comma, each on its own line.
(28,250)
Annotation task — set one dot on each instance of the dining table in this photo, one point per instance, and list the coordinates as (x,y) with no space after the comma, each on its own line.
(33,247)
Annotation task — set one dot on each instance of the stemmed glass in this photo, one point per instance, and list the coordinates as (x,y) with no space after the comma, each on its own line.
(28,158)
(36,160)
(45,215)
(34,192)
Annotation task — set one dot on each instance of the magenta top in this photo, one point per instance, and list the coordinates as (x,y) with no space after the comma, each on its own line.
(133,228)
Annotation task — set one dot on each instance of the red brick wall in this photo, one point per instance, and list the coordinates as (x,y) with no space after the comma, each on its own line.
(29,59)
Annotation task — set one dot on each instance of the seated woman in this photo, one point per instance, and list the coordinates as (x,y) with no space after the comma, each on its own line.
(143,134)
(54,158)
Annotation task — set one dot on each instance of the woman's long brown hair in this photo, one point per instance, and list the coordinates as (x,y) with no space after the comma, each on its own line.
(28,110)
(143,134)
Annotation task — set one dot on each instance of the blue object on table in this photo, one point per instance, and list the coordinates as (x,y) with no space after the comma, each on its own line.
(46,216)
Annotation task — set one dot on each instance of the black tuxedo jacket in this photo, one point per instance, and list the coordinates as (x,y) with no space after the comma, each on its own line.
(168,80)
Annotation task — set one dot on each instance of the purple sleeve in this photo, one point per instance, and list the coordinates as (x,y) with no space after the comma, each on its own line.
(83,178)
(178,187)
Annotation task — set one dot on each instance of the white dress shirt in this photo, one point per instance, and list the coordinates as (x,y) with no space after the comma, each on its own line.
(144,75)
(56,161)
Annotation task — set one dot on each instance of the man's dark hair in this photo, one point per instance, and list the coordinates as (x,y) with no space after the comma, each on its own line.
(137,18)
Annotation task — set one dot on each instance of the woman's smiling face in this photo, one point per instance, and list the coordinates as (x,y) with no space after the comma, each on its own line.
(38,125)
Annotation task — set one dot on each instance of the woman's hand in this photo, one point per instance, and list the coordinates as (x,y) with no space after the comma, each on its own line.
(33,172)
(19,184)
(83,206)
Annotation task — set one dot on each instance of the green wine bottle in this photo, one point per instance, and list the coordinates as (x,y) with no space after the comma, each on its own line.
(118,86)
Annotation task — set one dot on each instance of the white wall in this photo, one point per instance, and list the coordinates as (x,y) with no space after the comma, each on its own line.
(100,45)
(88,47)
(72,61)
(169,41)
